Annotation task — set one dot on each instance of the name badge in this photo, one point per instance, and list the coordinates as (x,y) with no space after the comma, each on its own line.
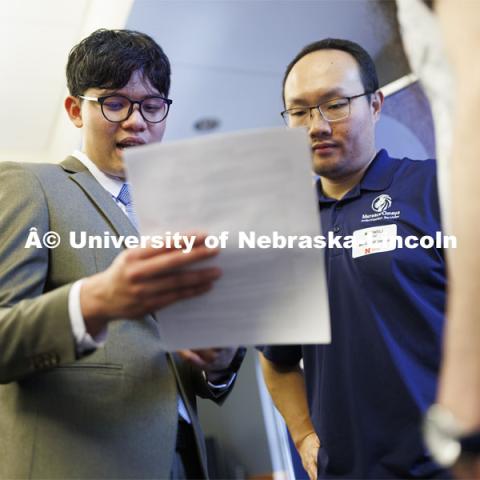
(368,241)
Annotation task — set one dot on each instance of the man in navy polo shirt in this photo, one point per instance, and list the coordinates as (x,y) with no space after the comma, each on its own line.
(355,411)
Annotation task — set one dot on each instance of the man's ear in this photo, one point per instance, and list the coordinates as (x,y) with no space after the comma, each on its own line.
(74,110)
(377,103)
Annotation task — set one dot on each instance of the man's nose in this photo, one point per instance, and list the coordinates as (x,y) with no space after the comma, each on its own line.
(318,125)
(135,121)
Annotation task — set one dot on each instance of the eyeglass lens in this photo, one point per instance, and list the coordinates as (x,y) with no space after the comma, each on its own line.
(117,108)
(332,111)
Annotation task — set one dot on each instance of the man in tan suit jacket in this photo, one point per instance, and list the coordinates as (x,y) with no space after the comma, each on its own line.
(86,391)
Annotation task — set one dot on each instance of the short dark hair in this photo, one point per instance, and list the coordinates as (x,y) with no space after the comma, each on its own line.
(368,72)
(107,59)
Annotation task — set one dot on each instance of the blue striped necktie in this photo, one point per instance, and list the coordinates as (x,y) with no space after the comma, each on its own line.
(125,198)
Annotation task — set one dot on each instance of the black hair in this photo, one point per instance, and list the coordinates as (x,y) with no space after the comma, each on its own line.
(107,59)
(368,72)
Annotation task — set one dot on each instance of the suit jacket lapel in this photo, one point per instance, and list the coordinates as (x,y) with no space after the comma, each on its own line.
(99,196)
(105,204)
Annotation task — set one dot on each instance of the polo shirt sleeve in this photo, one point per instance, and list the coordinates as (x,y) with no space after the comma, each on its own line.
(285,355)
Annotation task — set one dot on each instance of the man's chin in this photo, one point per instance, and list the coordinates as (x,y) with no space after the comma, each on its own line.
(115,168)
(323,165)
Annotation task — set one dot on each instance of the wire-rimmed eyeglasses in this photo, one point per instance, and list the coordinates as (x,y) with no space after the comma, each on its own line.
(331,111)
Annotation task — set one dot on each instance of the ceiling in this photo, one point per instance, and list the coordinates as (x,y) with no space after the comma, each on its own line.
(227,58)
(35,38)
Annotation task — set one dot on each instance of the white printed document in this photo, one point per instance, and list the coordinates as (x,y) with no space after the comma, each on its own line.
(252,192)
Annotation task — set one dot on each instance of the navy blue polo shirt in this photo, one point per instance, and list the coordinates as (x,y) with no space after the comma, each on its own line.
(368,389)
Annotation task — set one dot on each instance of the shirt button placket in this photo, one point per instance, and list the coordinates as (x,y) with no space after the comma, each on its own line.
(337,221)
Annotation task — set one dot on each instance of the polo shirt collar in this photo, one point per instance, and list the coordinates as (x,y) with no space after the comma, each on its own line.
(379,174)
(378,177)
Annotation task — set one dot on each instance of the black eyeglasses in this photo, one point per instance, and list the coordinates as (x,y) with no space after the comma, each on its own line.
(331,111)
(117,108)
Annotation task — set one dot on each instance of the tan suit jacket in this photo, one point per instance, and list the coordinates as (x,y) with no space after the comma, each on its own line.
(110,414)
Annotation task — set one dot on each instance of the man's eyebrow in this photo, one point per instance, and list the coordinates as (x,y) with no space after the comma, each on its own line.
(323,97)
(117,91)
(114,91)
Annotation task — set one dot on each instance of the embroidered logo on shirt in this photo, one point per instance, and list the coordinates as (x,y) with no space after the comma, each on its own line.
(380,206)
(381,203)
